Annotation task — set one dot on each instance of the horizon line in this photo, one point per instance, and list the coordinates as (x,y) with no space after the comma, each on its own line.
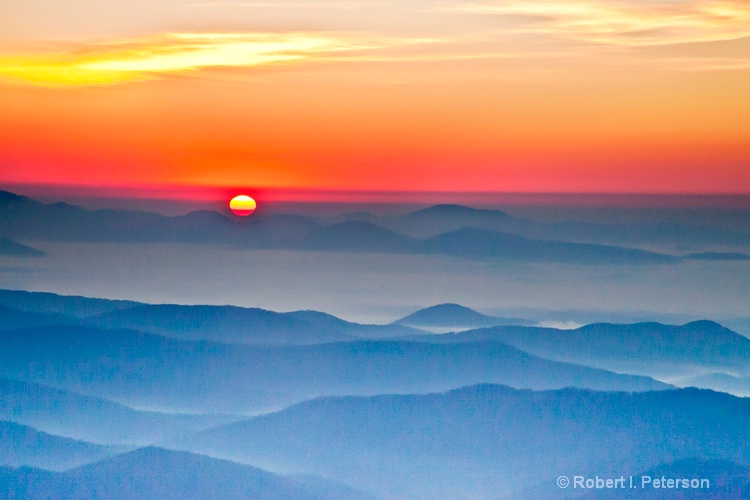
(273,195)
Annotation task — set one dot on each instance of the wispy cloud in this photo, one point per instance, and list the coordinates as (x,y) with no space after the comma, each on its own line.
(529,29)
(130,60)
(622,23)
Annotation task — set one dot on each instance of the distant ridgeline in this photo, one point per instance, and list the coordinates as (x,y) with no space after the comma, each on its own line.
(121,399)
(451,230)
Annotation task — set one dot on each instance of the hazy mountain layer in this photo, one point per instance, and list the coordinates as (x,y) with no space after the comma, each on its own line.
(66,305)
(739,386)
(472,238)
(242,325)
(484,441)
(154,473)
(23,445)
(146,370)
(455,315)
(12,248)
(444,218)
(647,348)
(219,323)
(72,415)
(11,319)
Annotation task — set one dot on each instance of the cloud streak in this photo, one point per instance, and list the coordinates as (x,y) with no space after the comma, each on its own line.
(528,30)
(621,23)
(176,53)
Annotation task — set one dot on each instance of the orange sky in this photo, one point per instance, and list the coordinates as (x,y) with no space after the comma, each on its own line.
(583,96)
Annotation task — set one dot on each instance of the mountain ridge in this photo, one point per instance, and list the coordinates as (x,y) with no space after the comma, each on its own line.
(163,474)
(22,445)
(475,441)
(454,315)
(150,371)
(63,222)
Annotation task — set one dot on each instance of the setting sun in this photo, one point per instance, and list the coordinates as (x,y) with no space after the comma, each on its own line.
(242,205)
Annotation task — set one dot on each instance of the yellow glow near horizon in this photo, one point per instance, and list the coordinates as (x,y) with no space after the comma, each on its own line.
(125,61)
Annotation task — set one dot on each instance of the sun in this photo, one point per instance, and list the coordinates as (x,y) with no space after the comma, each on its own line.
(242,205)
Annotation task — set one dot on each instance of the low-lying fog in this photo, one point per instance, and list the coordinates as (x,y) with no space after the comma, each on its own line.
(380,288)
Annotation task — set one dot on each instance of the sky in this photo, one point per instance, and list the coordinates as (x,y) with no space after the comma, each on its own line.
(586,96)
